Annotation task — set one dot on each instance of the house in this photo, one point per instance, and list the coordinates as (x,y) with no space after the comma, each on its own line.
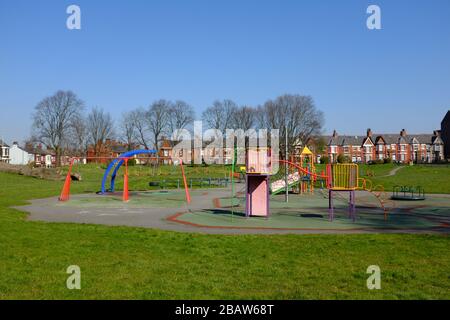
(402,147)
(4,152)
(19,155)
(106,151)
(445,134)
(40,157)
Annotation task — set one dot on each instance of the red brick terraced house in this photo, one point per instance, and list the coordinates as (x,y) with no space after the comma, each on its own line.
(41,157)
(402,147)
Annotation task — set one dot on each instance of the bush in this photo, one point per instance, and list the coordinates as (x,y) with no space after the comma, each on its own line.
(387,160)
(377,161)
(343,159)
(324,160)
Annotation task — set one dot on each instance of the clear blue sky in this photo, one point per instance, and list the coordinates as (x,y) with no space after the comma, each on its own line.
(129,53)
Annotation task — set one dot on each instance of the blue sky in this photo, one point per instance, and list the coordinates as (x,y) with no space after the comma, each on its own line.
(130,53)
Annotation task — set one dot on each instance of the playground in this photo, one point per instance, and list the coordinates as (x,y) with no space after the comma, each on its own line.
(335,201)
(214,211)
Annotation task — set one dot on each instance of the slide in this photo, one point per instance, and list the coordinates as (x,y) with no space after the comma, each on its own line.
(279,185)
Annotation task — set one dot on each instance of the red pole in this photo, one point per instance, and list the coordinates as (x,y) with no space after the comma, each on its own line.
(125,182)
(65,192)
(186,190)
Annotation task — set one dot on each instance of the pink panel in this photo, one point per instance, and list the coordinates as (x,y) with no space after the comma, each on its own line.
(258,195)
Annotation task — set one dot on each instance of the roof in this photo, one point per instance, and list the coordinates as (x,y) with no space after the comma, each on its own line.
(379,138)
(306,150)
(3,144)
(446,118)
(38,150)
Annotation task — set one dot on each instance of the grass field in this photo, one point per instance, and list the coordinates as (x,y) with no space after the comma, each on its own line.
(137,263)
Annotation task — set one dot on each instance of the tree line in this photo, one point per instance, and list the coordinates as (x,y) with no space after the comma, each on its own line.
(61,123)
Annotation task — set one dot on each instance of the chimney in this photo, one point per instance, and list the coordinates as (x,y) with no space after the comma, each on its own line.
(335,134)
(403,133)
(15,143)
(437,133)
(369,133)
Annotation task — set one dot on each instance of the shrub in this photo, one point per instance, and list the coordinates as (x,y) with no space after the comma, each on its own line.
(377,161)
(324,160)
(343,159)
(387,160)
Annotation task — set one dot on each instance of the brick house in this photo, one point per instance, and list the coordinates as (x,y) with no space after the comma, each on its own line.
(39,156)
(106,151)
(402,147)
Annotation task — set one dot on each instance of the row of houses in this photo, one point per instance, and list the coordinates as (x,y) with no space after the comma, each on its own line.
(37,155)
(402,147)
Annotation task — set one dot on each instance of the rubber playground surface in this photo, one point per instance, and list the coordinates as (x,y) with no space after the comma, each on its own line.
(215,211)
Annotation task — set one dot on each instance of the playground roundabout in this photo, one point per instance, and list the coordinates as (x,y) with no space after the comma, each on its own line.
(214,211)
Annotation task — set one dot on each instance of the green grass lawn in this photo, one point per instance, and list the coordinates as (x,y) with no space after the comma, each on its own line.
(138,263)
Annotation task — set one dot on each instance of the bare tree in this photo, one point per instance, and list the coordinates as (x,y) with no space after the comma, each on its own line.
(294,115)
(219,115)
(100,127)
(243,118)
(181,115)
(52,120)
(79,141)
(139,118)
(158,120)
(128,129)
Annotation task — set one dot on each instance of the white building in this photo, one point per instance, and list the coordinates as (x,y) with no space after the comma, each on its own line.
(4,152)
(19,155)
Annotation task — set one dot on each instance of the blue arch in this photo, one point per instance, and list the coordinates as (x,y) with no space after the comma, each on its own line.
(117,163)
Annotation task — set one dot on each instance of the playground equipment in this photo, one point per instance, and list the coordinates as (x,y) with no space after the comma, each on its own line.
(113,168)
(307,178)
(408,193)
(301,175)
(259,168)
(342,178)
(116,164)
(338,178)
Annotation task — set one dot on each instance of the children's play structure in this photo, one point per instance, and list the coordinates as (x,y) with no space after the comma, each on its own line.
(297,175)
(339,178)
(259,168)
(408,193)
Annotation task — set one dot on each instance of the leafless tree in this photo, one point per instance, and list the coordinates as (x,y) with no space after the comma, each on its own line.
(139,118)
(79,136)
(100,127)
(294,115)
(128,129)
(181,115)
(243,118)
(219,115)
(52,120)
(158,120)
